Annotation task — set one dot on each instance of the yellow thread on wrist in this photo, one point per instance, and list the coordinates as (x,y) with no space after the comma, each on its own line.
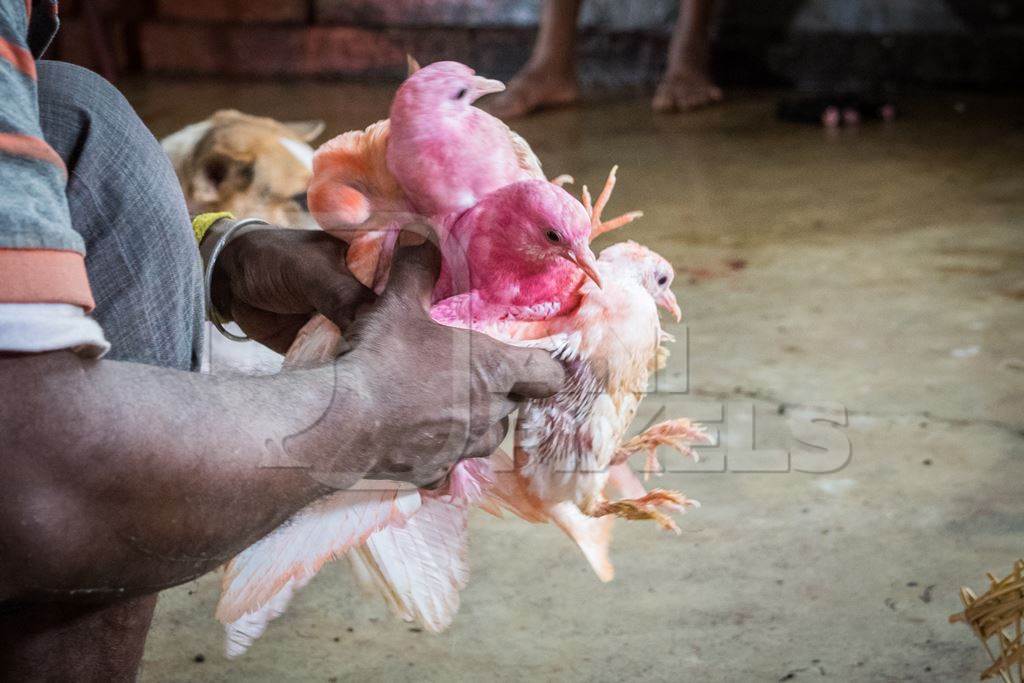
(202,223)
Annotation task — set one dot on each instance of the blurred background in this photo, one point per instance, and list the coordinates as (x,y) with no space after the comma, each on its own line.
(918,43)
(869,275)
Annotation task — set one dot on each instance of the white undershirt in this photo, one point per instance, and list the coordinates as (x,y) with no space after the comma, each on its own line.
(35,328)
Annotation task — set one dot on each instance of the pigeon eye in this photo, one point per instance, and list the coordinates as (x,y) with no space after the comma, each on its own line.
(553,237)
(663,280)
(459,95)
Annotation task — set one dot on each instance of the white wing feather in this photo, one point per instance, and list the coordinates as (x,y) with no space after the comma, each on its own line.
(242,633)
(298,548)
(420,567)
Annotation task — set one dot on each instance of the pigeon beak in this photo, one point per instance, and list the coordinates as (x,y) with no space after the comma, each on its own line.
(667,300)
(584,259)
(484,86)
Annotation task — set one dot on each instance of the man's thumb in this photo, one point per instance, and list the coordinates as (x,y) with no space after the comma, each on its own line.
(414,272)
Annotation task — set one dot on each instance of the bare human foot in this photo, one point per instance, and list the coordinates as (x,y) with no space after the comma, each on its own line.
(687,84)
(533,89)
(684,91)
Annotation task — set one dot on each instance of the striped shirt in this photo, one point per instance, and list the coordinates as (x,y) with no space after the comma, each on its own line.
(44,290)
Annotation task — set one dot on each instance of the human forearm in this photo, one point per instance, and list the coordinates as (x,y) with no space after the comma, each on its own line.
(139,478)
(124,478)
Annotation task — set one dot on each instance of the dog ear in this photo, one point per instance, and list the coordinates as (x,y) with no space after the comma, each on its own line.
(306,130)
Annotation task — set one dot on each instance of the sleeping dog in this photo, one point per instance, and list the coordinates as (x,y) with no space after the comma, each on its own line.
(248,165)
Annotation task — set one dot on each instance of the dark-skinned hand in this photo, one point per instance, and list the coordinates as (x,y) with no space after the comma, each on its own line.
(434,394)
(270,281)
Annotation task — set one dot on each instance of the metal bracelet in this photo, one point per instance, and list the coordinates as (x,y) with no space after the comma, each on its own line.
(208,275)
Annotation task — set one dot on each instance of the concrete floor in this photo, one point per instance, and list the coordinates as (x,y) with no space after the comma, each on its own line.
(880,273)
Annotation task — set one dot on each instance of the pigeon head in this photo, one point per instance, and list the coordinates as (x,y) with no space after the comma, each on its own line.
(443,89)
(652,270)
(530,235)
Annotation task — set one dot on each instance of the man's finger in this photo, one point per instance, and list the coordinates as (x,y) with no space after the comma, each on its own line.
(338,298)
(535,374)
(414,273)
(273,330)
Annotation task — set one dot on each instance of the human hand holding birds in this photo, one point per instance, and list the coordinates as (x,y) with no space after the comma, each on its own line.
(428,395)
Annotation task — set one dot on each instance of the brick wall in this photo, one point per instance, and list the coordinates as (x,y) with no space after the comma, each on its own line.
(621,43)
(341,38)
(266,38)
(235,11)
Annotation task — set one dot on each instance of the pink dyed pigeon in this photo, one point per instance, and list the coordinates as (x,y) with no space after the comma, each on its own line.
(445,153)
(517,253)
(494,273)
